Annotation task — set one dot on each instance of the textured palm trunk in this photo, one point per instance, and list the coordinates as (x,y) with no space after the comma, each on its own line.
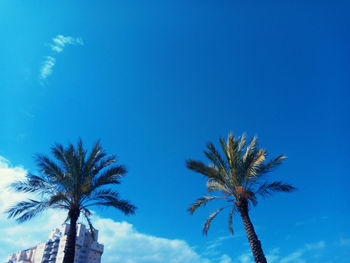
(69,250)
(254,242)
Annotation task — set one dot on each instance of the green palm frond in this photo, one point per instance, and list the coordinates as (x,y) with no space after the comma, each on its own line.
(87,215)
(60,200)
(95,156)
(201,202)
(210,219)
(267,189)
(251,197)
(254,166)
(250,150)
(269,166)
(110,176)
(33,184)
(26,210)
(229,149)
(123,205)
(242,143)
(213,185)
(230,227)
(107,197)
(103,163)
(48,167)
(103,194)
(214,155)
(58,152)
(207,171)
(81,153)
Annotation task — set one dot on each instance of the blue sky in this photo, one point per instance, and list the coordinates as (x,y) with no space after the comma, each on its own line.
(157,80)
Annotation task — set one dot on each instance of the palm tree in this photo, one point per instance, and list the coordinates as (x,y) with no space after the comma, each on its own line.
(238,177)
(75,181)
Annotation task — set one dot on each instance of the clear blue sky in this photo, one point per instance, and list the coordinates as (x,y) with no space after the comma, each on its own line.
(157,80)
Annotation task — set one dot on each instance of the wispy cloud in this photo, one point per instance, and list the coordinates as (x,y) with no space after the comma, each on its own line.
(46,68)
(60,41)
(57,46)
(225,259)
(212,250)
(344,241)
(297,256)
(246,257)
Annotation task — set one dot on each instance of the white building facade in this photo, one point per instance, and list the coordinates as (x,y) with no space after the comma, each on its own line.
(87,249)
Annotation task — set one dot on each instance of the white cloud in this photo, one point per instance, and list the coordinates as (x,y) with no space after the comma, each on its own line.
(15,236)
(8,175)
(124,244)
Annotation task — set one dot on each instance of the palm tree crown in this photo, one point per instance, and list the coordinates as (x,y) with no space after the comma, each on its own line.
(75,181)
(238,175)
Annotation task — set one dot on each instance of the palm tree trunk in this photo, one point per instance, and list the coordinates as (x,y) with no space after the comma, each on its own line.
(69,250)
(254,242)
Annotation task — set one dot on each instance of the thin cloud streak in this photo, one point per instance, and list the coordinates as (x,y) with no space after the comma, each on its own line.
(46,68)
(60,41)
(57,46)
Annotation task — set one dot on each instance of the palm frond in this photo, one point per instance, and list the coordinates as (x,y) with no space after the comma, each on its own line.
(103,163)
(255,164)
(251,197)
(123,205)
(268,189)
(242,142)
(201,202)
(59,199)
(249,153)
(26,210)
(110,176)
(58,152)
(48,166)
(269,166)
(213,185)
(210,218)
(207,171)
(213,155)
(33,184)
(230,227)
(234,152)
(95,155)
(81,153)
(87,215)
(103,193)
(108,197)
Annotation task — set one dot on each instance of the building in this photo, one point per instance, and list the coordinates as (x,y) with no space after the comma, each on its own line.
(87,249)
